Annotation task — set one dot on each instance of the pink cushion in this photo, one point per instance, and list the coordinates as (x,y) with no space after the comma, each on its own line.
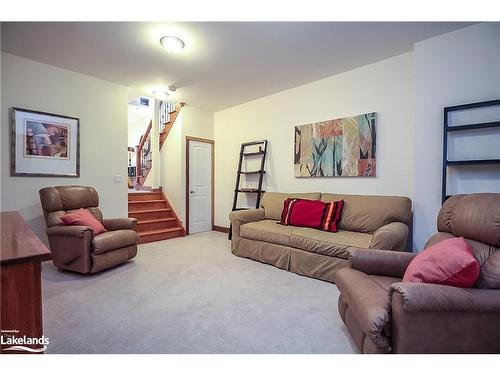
(84,217)
(449,262)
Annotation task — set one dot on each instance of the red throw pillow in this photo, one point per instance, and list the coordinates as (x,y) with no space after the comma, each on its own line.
(84,217)
(312,214)
(333,211)
(449,262)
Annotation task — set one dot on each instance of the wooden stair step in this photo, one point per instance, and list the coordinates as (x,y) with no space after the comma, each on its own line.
(156,220)
(154,224)
(144,196)
(151,210)
(157,231)
(151,214)
(160,234)
(147,201)
(146,205)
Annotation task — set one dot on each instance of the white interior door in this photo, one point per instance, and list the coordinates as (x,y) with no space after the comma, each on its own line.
(200,187)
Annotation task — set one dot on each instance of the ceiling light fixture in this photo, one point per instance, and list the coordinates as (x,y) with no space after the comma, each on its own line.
(172,44)
(164,93)
(160,94)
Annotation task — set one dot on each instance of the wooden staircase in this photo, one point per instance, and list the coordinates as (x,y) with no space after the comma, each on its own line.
(143,156)
(172,116)
(156,219)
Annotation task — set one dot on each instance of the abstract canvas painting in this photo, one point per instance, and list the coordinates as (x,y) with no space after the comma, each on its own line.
(342,147)
(44,140)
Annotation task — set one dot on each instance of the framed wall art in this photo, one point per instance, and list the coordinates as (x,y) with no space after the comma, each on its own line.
(337,148)
(44,144)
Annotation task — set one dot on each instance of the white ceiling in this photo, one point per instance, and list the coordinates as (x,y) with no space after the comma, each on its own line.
(223,64)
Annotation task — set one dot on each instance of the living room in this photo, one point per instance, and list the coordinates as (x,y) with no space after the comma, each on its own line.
(279,202)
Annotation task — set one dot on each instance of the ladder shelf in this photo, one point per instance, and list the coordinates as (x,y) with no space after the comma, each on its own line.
(470,128)
(244,153)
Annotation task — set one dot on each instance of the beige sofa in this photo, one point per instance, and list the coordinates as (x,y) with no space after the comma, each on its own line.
(373,222)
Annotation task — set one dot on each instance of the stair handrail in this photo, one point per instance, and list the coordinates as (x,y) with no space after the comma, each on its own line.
(167,126)
(139,157)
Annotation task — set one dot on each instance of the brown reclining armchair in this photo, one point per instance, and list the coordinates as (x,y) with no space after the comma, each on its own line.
(75,248)
(384,314)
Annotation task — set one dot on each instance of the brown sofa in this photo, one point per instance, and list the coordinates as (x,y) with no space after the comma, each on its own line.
(384,314)
(367,222)
(75,248)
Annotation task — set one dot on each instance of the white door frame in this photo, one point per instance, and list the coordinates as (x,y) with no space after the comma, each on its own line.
(212,175)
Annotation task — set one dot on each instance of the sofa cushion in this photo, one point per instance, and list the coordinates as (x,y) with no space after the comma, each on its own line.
(272,203)
(313,240)
(449,262)
(367,213)
(114,240)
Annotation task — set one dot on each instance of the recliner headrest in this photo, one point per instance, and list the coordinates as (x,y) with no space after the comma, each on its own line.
(473,216)
(64,198)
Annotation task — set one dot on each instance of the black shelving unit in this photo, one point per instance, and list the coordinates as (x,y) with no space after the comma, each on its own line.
(262,150)
(465,127)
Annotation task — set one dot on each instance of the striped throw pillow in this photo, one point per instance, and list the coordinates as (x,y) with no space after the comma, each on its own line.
(333,212)
(312,214)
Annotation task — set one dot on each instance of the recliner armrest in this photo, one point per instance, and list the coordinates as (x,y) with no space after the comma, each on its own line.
(380,262)
(392,236)
(69,230)
(119,223)
(239,218)
(70,247)
(420,297)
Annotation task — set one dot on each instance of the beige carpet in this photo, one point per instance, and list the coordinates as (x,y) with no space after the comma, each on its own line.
(191,295)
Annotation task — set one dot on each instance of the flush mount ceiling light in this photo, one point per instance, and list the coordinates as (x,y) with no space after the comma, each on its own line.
(164,93)
(172,44)
(160,94)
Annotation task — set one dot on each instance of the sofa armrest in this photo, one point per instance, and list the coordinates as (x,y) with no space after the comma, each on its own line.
(69,230)
(420,297)
(120,223)
(238,218)
(392,236)
(380,262)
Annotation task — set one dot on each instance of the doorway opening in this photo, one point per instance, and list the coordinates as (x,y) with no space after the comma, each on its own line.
(140,116)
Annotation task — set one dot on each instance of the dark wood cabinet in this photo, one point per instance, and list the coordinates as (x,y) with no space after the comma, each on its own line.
(21,253)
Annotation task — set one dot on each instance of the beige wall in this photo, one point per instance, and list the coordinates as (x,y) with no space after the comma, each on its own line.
(454,68)
(192,122)
(171,165)
(102,109)
(1,122)
(385,87)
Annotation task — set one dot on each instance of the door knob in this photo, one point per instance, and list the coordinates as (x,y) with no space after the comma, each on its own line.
(192,191)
